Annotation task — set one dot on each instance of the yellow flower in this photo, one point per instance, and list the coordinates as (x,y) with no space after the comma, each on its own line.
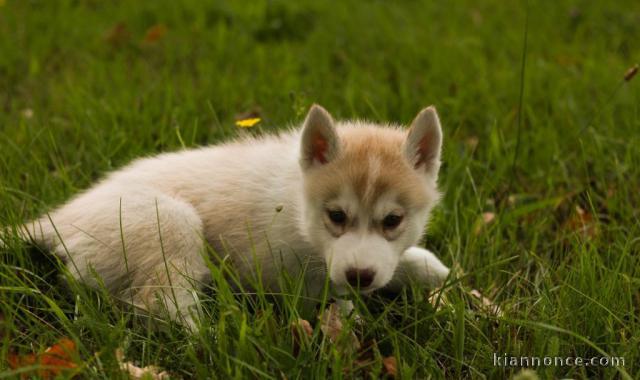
(248,123)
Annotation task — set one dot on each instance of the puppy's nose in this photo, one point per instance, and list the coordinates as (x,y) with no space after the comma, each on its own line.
(362,277)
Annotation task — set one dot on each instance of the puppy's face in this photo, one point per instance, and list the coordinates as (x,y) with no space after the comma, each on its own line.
(368,193)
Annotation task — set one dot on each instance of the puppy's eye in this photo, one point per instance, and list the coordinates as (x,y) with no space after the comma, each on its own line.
(337,216)
(391,221)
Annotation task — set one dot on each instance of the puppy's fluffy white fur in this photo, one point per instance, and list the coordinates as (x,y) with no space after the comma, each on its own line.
(266,205)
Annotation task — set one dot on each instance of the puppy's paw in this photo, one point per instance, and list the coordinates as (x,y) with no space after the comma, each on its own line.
(427,266)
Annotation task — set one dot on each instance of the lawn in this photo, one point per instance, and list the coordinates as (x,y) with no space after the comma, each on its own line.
(541,173)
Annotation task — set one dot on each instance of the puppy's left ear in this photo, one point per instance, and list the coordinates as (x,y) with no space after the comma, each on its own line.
(424,142)
(319,143)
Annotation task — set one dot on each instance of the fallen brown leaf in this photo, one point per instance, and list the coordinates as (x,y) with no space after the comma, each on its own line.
(438,299)
(526,374)
(611,191)
(581,222)
(472,143)
(331,326)
(135,372)
(54,361)
(306,327)
(629,74)
(27,113)
(155,33)
(301,330)
(390,366)
(486,303)
(485,219)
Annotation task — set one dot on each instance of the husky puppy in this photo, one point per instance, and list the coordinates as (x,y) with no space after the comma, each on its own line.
(345,199)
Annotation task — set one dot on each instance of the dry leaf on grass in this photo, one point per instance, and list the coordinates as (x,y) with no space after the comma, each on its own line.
(305,326)
(486,303)
(54,361)
(526,374)
(485,219)
(438,299)
(301,331)
(472,143)
(331,325)
(155,33)
(27,113)
(629,74)
(390,366)
(581,222)
(135,372)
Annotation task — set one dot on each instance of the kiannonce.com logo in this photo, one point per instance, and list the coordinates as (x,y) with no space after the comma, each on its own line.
(506,360)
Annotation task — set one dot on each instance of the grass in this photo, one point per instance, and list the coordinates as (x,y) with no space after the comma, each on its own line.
(82,92)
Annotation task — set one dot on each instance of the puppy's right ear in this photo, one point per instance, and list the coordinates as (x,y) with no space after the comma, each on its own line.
(424,142)
(319,143)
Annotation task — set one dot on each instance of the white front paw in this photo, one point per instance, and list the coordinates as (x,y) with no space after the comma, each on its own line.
(428,267)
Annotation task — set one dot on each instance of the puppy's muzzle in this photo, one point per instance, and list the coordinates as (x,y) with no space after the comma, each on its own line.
(360,277)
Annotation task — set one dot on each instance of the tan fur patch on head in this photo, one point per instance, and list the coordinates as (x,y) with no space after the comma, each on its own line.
(372,162)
